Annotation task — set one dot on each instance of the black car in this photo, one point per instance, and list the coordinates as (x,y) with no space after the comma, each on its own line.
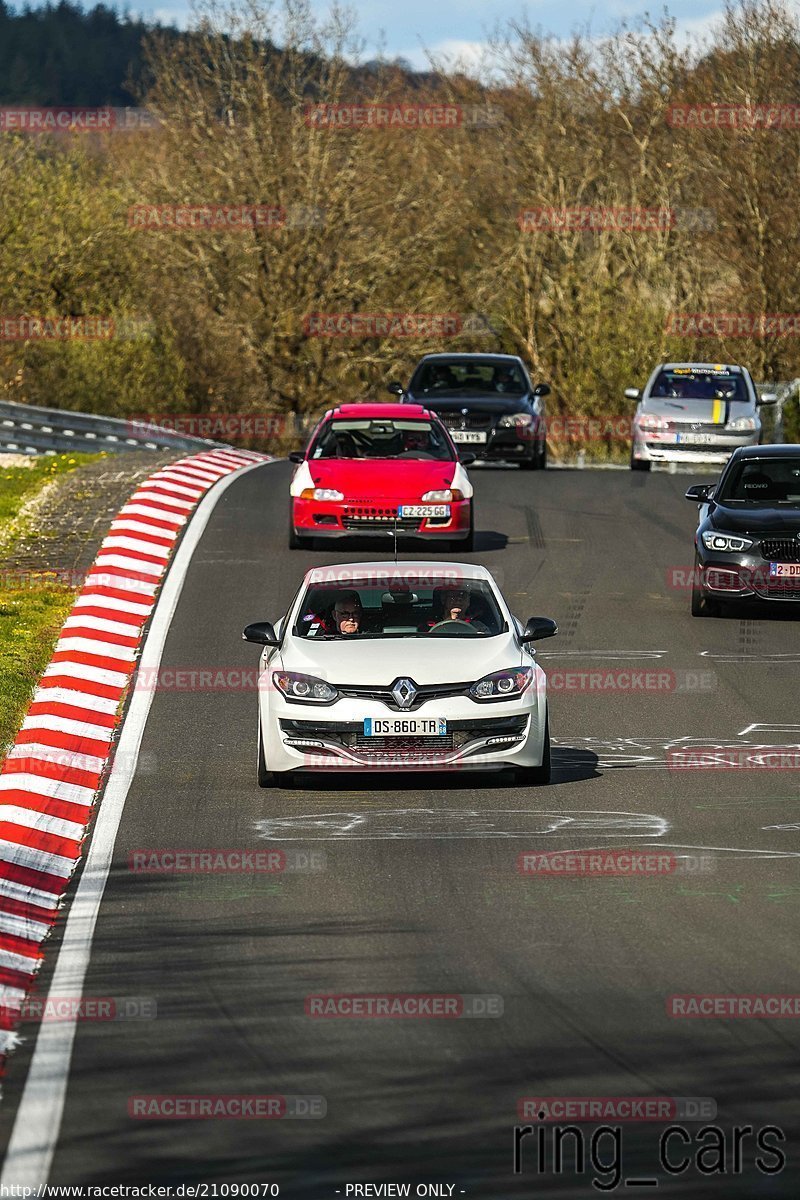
(488,403)
(748,540)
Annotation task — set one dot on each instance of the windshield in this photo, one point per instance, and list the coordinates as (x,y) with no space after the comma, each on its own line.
(770,481)
(483,376)
(382,438)
(699,383)
(436,608)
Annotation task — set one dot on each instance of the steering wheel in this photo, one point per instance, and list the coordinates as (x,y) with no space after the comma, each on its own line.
(450,621)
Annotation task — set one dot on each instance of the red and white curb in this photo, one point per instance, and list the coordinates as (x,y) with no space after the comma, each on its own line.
(50,779)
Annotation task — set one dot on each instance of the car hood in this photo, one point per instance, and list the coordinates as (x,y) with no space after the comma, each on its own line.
(381,478)
(785,521)
(376,662)
(499,405)
(697,410)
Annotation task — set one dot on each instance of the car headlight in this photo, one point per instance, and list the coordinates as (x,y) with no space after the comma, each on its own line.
(520,420)
(651,423)
(502,685)
(725,541)
(321,494)
(742,423)
(442,496)
(306,688)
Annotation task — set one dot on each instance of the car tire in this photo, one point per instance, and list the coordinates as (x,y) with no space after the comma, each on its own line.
(640,464)
(294,540)
(530,464)
(266,779)
(702,606)
(469,541)
(543,456)
(537,776)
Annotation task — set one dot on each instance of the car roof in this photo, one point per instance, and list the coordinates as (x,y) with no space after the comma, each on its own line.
(715,366)
(370,411)
(774,450)
(470,357)
(343,574)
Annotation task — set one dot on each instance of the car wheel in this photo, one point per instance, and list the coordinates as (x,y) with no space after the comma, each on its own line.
(265,777)
(469,542)
(543,456)
(640,464)
(701,605)
(536,776)
(530,464)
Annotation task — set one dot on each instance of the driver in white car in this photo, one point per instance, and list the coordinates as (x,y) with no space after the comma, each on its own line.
(457,605)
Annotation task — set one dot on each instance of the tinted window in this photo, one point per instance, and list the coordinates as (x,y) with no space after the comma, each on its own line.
(763,481)
(484,377)
(403,611)
(684,383)
(404,439)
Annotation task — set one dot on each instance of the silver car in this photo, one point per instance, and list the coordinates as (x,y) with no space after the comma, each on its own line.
(695,413)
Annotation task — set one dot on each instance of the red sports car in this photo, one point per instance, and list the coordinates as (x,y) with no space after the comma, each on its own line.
(373,468)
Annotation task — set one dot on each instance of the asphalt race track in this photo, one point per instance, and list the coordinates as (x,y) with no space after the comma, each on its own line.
(419,890)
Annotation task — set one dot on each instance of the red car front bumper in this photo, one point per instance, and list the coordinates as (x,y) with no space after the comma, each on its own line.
(350,518)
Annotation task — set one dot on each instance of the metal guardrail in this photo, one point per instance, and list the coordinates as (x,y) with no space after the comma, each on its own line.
(29,429)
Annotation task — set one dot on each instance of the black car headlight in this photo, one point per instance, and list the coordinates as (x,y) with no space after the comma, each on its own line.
(725,541)
(305,688)
(502,685)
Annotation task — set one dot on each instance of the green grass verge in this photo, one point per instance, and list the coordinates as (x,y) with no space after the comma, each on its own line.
(32,609)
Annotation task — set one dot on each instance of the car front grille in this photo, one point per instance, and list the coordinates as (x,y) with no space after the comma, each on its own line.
(350,736)
(472,420)
(424,694)
(781,549)
(377,517)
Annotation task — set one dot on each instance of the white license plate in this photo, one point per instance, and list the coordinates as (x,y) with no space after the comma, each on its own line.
(424,510)
(784,570)
(405,727)
(696,439)
(468,435)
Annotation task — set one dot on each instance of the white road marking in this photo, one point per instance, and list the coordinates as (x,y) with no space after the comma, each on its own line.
(41,1107)
(437,823)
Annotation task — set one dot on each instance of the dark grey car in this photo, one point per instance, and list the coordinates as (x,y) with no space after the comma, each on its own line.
(487,401)
(747,545)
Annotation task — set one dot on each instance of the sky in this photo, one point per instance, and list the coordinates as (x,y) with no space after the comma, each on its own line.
(459,27)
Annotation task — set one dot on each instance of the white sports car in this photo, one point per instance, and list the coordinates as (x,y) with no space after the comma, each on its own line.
(418,666)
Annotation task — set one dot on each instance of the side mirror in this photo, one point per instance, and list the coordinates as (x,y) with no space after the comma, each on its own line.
(767,398)
(700,492)
(537,628)
(395,388)
(633,393)
(466,458)
(542,389)
(260,632)
(297,456)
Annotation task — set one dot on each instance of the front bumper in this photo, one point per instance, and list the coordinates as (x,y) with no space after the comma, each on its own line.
(300,737)
(743,577)
(652,447)
(338,519)
(505,445)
